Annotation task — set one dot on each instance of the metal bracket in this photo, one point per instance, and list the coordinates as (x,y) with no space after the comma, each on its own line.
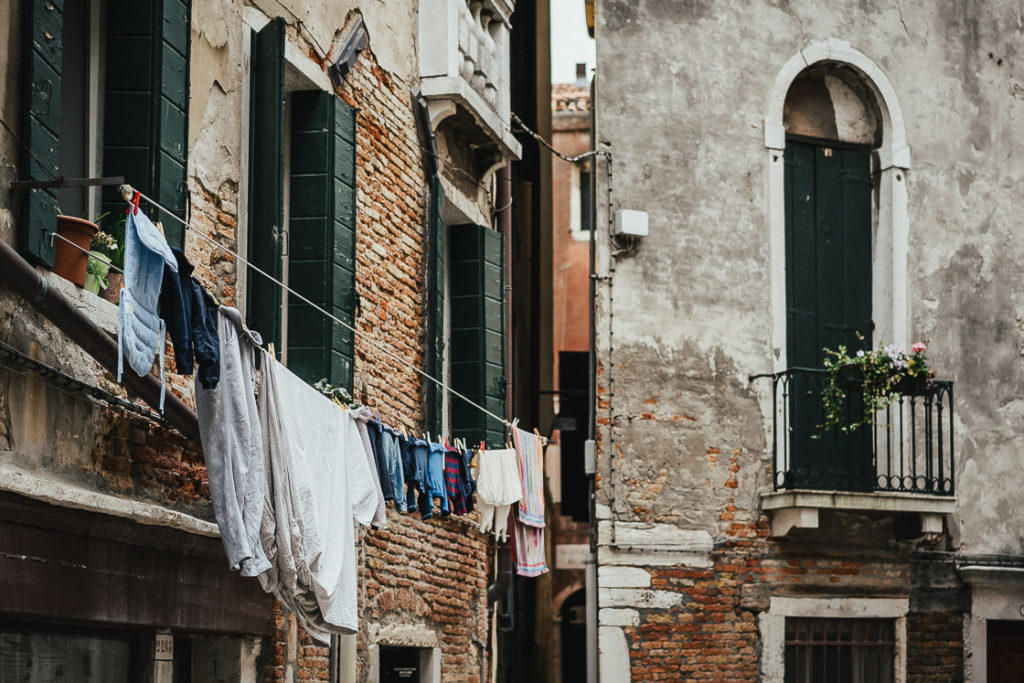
(63,182)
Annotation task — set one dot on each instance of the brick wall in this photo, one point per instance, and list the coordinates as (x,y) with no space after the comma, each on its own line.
(935,647)
(428,575)
(700,622)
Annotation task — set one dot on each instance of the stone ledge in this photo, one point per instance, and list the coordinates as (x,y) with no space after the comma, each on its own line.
(458,91)
(799,509)
(982,575)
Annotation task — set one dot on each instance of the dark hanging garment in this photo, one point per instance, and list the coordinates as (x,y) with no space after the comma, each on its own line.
(191,323)
(377,446)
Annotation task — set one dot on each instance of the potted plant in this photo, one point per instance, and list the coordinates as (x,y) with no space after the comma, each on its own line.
(100,278)
(880,376)
(71,260)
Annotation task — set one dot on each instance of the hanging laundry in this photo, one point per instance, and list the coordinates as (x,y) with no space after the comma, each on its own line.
(140,334)
(435,477)
(318,481)
(413,478)
(497,489)
(454,486)
(528,549)
(466,475)
(376,430)
(229,428)
(191,320)
(530,448)
(529,523)
(362,417)
(421,458)
(393,462)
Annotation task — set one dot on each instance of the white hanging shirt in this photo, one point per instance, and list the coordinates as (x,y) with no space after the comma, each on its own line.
(316,456)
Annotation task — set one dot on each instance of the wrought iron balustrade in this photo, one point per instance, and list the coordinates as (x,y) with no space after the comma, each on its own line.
(908,448)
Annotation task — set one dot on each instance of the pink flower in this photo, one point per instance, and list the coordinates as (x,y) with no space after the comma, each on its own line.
(918,347)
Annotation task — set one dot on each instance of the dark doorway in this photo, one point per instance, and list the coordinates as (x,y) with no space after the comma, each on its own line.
(574,636)
(1005,648)
(573,382)
(828,304)
(399,664)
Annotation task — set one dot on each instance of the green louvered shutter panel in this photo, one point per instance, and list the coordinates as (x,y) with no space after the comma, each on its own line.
(145,128)
(322,232)
(477,332)
(41,125)
(435,306)
(266,180)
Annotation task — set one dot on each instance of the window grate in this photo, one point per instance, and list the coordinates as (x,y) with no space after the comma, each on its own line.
(839,650)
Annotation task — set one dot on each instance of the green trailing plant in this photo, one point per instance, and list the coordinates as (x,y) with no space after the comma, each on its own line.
(339,394)
(879,376)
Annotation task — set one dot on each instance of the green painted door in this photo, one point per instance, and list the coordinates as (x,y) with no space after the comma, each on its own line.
(828,295)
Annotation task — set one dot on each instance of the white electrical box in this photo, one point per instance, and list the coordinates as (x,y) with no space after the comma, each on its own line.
(630,223)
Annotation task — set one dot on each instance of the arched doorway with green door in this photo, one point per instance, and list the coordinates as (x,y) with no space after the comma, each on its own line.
(832,127)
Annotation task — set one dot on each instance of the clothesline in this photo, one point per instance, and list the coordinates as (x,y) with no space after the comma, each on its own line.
(128,192)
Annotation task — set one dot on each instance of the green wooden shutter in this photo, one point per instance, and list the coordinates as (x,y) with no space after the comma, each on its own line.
(266,179)
(322,232)
(145,128)
(435,307)
(41,125)
(828,292)
(477,331)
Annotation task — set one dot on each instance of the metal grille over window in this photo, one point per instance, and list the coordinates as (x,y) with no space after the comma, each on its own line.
(839,650)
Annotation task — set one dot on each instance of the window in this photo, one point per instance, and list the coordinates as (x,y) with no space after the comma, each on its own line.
(302,214)
(465,326)
(409,664)
(839,650)
(71,658)
(581,203)
(122,61)
(477,266)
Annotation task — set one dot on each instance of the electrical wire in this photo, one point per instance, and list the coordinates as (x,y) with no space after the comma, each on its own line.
(128,190)
(572,160)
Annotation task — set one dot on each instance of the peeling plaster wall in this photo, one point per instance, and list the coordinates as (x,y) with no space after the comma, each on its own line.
(683,96)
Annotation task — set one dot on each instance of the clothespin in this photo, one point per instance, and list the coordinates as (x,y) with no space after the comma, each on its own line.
(482,444)
(135,202)
(270,348)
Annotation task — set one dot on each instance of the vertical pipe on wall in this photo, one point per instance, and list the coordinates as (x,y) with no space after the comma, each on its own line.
(505,226)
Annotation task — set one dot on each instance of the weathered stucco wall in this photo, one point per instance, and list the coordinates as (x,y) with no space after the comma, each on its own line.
(683,90)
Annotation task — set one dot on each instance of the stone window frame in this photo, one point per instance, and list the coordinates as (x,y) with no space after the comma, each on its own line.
(891,232)
(772,627)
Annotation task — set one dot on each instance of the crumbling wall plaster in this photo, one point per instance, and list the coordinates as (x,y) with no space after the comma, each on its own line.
(692,309)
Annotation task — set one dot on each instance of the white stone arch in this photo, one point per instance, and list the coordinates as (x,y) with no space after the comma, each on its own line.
(889,262)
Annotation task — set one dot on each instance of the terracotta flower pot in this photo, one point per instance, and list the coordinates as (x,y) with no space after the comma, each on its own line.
(71,263)
(113,291)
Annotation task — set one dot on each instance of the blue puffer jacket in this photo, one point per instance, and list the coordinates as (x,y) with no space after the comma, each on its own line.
(140,330)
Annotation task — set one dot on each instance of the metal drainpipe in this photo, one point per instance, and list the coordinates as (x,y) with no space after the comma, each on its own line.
(23,279)
(505,225)
(591,565)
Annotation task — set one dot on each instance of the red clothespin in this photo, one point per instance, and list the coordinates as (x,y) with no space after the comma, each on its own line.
(481,446)
(135,202)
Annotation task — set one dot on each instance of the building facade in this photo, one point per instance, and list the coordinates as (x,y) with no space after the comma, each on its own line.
(813,177)
(357,152)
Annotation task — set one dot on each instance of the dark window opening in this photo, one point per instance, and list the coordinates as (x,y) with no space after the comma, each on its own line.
(65,657)
(399,664)
(586,198)
(840,650)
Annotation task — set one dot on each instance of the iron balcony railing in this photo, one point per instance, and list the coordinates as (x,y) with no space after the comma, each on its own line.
(907,449)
